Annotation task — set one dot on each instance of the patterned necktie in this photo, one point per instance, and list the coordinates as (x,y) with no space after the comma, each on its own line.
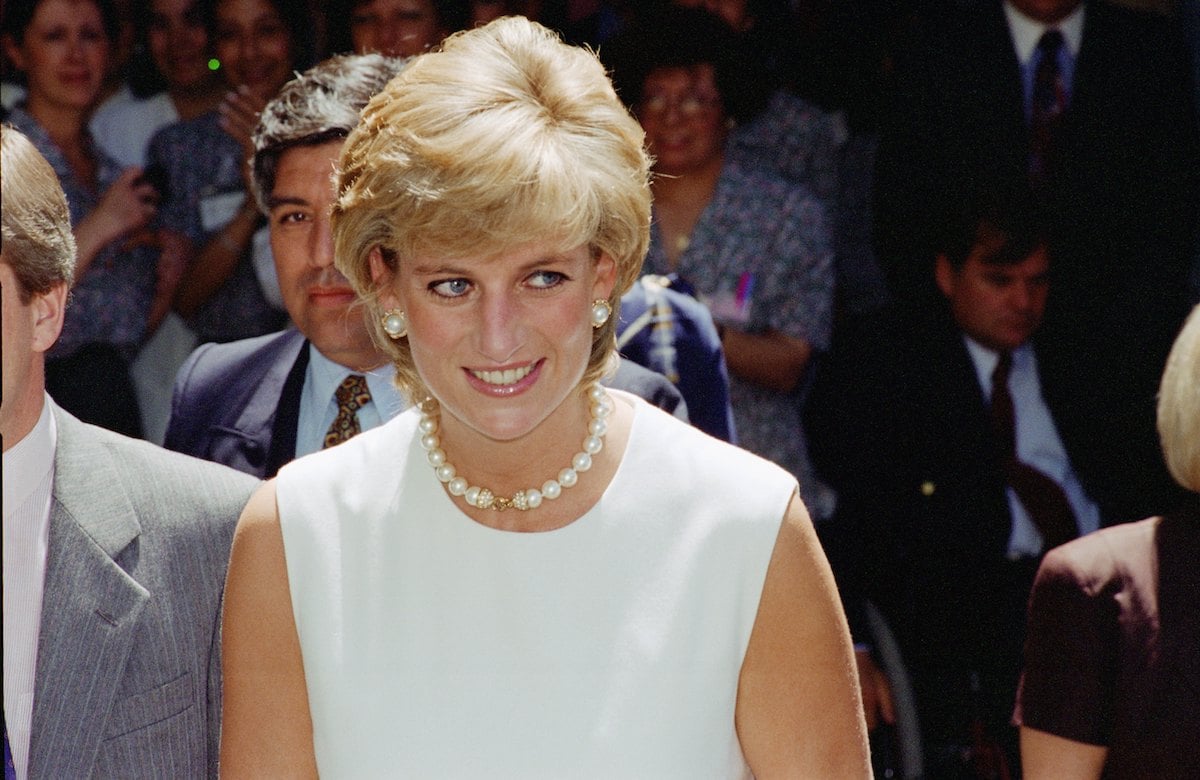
(1041,496)
(352,394)
(1047,107)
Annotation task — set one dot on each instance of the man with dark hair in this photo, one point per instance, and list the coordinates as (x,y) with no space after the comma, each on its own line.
(114,551)
(1091,102)
(939,432)
(258,403)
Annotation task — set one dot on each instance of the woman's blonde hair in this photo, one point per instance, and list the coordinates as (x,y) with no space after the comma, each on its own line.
(1179,406)
(503,137)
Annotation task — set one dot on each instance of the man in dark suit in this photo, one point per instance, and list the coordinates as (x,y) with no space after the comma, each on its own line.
(1092,104)
(944,531)
(114,550)
(258,403)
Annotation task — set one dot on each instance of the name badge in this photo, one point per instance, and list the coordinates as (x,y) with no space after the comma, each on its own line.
(217,210)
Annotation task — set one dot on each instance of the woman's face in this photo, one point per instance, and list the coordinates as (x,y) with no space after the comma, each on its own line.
(254,45)
(397,28)
(734,12)
(64,54)
(178,42)
(502,341)
(681,112)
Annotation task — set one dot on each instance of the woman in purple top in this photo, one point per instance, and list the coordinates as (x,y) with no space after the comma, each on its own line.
(1111,687)
(63,49)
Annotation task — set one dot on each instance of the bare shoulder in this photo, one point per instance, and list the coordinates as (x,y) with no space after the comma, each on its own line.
(267,728)
(799,712)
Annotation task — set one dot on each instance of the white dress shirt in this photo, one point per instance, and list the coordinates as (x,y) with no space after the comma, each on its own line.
(28,483)
(318,406)
(1038,445)
(1026,33)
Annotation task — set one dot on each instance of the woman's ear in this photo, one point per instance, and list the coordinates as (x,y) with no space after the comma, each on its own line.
(606,276)
(383,278)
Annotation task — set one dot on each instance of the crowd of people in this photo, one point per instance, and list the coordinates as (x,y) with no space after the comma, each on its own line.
(915,269)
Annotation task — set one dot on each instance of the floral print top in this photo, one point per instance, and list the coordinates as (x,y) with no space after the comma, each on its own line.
(761,257)
(204,181)
(110,301)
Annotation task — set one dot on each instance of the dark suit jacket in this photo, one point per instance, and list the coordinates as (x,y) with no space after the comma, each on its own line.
(239,403)
(128,680)
(1113,656)
(1123,207)
(899,426)
(669,331)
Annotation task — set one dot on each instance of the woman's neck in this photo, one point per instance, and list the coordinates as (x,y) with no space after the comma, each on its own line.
(66,126)
(679,200)
(505,467)
(688,187)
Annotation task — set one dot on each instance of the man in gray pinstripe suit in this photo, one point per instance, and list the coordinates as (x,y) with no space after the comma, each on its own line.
(114,550)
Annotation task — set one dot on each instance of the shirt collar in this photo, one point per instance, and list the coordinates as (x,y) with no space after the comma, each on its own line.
(985,359)
(28,461)
(326,375)
(1027,32)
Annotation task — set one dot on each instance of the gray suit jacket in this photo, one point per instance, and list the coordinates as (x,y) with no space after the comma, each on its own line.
(128,667)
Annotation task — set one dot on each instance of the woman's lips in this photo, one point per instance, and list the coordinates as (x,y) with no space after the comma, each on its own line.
(509,380)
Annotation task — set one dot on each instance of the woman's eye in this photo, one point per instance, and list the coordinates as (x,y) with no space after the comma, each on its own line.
(290,217)
(546,279)
(451,288)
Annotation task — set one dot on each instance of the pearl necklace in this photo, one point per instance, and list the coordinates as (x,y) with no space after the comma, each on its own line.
(530,498)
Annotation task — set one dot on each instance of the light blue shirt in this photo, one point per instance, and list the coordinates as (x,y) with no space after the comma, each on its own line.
(1038,445)
(1027,32)
(318,406)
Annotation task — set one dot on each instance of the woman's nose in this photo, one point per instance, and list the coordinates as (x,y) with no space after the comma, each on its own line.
(499,327)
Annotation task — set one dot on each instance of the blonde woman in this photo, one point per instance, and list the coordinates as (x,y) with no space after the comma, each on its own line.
(526,575)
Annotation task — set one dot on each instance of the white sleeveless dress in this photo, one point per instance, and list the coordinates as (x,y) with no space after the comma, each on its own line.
(437,647)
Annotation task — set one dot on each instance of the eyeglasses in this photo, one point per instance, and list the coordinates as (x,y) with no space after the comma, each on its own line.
(688,105)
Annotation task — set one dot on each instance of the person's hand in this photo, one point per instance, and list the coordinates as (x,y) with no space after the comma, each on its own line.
(878,703)
(126,206)
(239,111)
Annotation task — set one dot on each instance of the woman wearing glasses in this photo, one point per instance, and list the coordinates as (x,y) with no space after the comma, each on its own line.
(755,247)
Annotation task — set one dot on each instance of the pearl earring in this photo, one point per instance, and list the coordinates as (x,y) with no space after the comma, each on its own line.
(395,324)
(601,311)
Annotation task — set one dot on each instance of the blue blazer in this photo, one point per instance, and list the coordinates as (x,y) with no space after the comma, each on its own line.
(239,403)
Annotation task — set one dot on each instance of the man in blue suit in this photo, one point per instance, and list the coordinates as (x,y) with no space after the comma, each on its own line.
(257,403)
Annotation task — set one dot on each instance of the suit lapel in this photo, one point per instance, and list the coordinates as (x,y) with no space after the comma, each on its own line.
(260,440)
(287,414)
(90,608)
